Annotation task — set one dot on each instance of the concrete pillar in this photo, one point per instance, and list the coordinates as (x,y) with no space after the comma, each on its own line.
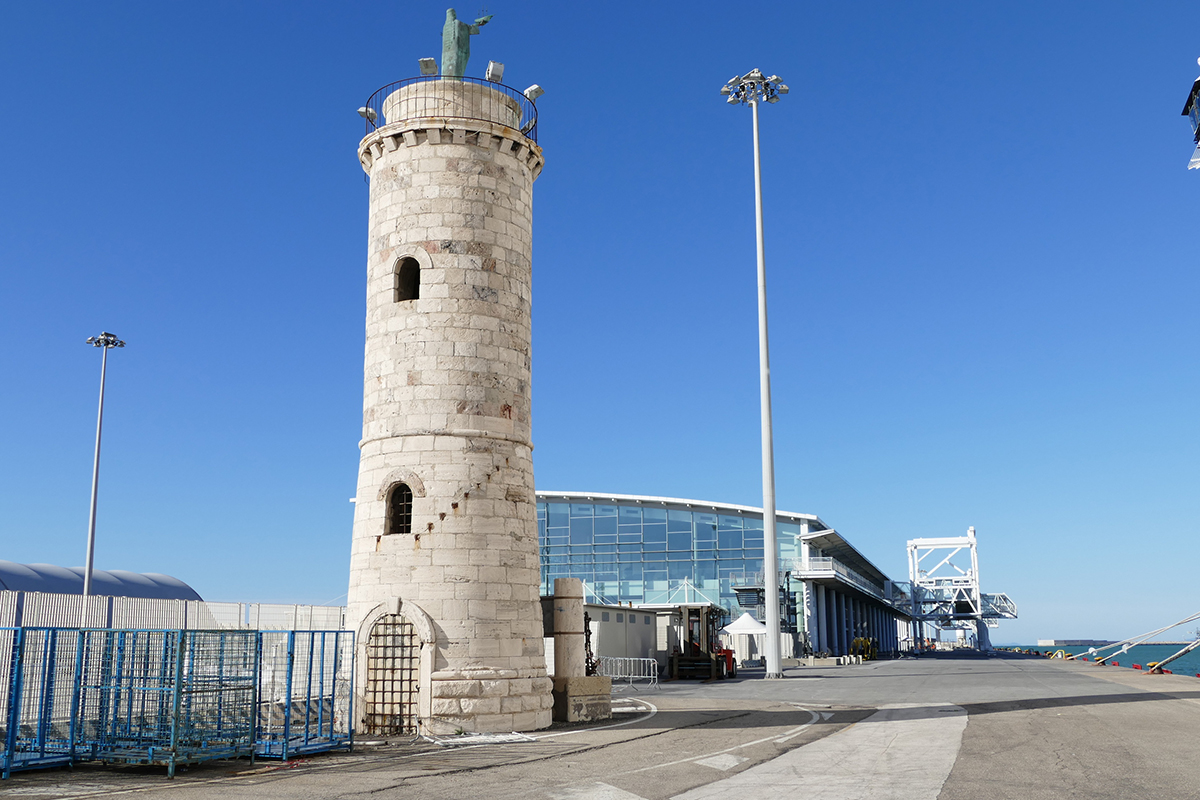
(848,601)
(577,697)
(835,622)
(856,613)
(843,624)
(446,405)
(834,619)
(818,618)
(852,601)
(570,654)
(851,613)
(831,598)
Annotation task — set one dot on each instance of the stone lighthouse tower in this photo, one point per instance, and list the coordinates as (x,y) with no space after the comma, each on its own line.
(444,570)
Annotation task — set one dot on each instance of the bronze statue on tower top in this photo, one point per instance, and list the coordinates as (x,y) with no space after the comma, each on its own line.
(456,43)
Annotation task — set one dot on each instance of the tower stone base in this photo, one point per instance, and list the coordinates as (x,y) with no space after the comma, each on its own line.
(489,700)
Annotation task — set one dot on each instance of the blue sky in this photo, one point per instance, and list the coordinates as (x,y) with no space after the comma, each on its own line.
(981,247)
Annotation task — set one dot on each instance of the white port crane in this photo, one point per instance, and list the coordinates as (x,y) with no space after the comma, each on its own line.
(946,594)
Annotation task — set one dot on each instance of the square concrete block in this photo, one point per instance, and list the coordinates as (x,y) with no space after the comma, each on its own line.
(582,699)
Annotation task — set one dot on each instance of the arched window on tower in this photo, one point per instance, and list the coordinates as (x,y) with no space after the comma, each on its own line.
(399,509)
(408,279)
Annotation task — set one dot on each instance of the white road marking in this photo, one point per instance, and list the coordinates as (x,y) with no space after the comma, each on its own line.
(901,752)
(653,709)
(778,738)
(593,791)
(723,762)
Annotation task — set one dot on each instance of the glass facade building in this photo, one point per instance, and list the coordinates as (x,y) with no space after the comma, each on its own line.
(661,550)
(651,550)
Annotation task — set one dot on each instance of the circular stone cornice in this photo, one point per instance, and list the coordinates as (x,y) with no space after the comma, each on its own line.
(449,130)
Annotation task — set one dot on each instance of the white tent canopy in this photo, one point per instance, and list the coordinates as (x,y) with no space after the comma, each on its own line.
(746,623)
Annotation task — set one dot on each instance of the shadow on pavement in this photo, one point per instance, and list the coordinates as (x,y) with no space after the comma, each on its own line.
(1030,704)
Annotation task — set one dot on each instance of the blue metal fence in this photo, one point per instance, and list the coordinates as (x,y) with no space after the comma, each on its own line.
(39,669)
(170,697)
(167,697)
(305,702)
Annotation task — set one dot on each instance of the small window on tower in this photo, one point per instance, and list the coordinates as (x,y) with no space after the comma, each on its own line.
(408,280)
(399,509)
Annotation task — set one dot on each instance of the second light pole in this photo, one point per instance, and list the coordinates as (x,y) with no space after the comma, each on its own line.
(104,341)
(751,89)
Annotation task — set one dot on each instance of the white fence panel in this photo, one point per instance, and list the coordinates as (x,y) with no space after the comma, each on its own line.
(630,669)
(44,610)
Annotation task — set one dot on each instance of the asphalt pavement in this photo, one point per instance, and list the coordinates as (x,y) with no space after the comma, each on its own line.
(934,728)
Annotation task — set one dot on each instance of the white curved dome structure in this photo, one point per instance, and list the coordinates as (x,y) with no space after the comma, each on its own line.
(54,579)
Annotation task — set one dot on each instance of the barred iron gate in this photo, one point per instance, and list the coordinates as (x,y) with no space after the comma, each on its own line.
(393,661)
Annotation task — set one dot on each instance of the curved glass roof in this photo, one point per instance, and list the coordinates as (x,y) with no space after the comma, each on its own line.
(813,520)
(115,583)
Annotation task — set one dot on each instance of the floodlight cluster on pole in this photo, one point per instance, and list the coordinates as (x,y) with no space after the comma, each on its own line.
(751,89)
(104,341)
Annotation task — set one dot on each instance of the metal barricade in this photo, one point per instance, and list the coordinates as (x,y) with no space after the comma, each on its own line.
(38,668)
(630,669)
(166,697)
(305,697)
(170,697)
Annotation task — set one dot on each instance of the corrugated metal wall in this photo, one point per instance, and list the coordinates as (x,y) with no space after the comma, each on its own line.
(42,610)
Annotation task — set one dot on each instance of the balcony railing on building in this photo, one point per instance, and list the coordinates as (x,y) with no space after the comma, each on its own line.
(822,566)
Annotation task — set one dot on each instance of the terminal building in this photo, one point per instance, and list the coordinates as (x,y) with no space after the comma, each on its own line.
(639,550)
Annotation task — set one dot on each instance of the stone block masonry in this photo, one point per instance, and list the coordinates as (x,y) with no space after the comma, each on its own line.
(446,415)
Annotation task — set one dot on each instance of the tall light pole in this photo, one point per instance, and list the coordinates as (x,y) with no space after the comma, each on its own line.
(104,341)
(750,89)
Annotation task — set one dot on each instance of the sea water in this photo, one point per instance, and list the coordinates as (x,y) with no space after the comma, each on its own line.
(1142,654)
